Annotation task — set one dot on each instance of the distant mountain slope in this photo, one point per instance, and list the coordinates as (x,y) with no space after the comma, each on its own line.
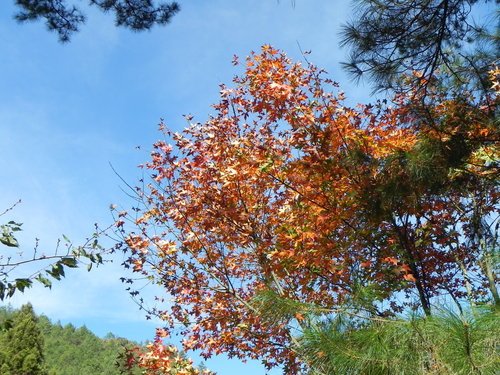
(69,350)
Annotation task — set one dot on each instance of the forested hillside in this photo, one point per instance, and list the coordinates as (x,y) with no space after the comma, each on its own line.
(65,350)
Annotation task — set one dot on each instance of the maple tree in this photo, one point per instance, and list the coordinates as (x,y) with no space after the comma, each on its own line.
(286,191)
(158,358)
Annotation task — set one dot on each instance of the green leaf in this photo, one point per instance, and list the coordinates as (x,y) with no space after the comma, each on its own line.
(9,241)
(57,271)
(22,284)
(69,262)
(80,252)
(11,289)
(46,282)
(265,167)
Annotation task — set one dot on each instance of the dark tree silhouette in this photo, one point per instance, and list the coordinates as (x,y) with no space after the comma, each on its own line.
(394,37)
(65,19)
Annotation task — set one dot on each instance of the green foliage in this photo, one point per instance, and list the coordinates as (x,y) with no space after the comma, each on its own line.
(63,350)
(7,233)
(446,343)
(353,341)
(22,345)
(71,350)
(273,308)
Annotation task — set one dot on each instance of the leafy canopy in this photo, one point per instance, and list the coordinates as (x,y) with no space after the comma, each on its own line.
(371,210)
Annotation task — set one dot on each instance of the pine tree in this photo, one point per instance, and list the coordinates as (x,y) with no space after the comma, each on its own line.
(391,38)
(24,352)
(65,19)
(352,341)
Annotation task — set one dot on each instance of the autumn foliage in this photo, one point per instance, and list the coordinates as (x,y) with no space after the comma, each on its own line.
(159,359)
(286,189)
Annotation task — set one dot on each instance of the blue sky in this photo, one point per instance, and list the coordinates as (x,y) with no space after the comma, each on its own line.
(68,110)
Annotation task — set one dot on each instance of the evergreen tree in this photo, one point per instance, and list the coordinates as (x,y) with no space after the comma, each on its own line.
(391,38)
(354,342)
(23,354)
(67,350)
(65,18)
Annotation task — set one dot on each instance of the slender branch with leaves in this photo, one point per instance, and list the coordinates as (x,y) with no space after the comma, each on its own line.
(47,266)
